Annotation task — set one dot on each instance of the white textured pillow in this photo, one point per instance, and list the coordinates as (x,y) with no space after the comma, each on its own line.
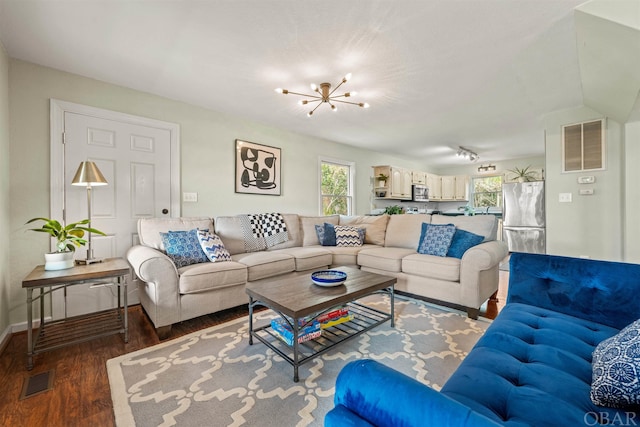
(213,247)
(347,235)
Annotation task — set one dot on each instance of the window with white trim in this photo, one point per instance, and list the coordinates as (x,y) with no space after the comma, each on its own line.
(487,191)
(583,146)
(336,187)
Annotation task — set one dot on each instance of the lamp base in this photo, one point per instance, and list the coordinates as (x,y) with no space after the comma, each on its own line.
(88,261)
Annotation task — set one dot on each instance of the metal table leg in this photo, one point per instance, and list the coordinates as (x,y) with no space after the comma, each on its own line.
(126,307)
(29,329)
(250,320)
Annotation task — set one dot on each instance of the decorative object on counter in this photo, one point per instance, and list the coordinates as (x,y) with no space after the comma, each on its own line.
(67,238)
(382,180)
(393,210)
(469,210)
(257,168)
(488,168)
(328,278)
(523,174)
(88,175)
(467,154)
(325,95)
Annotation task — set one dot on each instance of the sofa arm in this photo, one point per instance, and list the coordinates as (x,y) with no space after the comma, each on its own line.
(161,294)
(381,396)
(479,275)
(605,292)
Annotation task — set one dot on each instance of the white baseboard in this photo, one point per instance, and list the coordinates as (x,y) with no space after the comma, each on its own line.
(5,337)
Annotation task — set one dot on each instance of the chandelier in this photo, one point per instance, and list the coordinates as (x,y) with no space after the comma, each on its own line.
(325,95)
(466,153)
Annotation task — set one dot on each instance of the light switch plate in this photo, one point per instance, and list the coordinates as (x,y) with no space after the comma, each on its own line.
(564,198)
(189,197)
(586,179)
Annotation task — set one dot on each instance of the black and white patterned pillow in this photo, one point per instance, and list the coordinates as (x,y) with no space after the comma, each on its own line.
(347,235)
(616,369)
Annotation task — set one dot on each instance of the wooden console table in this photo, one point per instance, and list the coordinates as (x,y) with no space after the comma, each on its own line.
(73,330)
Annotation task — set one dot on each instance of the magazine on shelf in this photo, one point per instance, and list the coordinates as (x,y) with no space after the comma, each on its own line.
(283,330)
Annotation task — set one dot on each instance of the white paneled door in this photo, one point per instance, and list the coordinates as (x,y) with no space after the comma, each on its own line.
(136,160)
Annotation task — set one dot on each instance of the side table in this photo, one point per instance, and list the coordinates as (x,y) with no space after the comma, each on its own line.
(73,330)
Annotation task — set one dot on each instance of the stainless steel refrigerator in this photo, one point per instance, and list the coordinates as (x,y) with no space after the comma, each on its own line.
(523,217)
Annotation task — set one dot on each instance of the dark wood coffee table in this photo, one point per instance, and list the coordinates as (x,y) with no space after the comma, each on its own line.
(298,297)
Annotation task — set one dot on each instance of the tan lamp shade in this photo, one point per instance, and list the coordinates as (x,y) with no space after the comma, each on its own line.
(88,175)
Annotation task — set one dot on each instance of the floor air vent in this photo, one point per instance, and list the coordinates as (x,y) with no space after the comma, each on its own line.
(37,384)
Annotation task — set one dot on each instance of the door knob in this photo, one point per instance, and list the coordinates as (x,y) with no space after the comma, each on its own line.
(165,211)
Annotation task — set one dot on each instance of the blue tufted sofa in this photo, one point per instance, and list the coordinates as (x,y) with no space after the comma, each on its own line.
(531,368)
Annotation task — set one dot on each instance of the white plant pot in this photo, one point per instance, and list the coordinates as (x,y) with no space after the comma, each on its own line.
(58,260)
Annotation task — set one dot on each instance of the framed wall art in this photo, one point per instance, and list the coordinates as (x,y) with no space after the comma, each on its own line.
(257,168)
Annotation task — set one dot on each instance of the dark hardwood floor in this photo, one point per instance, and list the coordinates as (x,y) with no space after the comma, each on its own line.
(80,395)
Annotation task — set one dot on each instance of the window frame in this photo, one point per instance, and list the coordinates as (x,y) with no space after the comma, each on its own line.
(499,193)
(351,196)
(603,145)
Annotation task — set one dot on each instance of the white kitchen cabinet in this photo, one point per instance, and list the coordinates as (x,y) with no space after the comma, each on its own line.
(419,178)
(397,186)
(434,183)
(462,187)
(448,187)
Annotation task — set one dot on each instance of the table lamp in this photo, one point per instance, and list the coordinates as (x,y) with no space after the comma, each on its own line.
(88,175)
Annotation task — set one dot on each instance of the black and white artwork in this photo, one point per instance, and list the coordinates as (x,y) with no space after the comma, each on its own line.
(257,168)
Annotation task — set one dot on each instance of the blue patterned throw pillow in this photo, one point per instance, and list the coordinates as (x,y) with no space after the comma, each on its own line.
(616,369)
(462,241)
(183,247)
(347,235)
(435,239)
(213,246)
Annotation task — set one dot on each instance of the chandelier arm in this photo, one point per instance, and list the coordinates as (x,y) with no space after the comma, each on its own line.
(336,88)
(303,94)
(346,102)
(319,104)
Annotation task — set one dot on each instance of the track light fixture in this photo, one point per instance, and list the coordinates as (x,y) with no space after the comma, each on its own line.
(488,168)
(325,95)
(467,154)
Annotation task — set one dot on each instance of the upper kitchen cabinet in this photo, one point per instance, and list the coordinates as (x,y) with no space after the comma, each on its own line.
(462,187)
(397,184)
(434,183)
(448,187)
(419,178)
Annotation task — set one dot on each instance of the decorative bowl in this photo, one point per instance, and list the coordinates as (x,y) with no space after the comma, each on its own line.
(328,277)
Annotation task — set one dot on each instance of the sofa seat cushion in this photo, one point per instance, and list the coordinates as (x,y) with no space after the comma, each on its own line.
(309,257)
(432,266)
(536,363)
(387,259)
(211,275)
(345,255)
(261,265)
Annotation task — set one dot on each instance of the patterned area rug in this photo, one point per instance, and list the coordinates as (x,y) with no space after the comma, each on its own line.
(214,377)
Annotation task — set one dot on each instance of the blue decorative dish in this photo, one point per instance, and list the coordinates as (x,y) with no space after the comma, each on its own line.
(328,277)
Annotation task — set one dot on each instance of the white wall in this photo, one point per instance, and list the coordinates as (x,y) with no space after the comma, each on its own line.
(632,193)
(589,225)
(4,190)
(207,150)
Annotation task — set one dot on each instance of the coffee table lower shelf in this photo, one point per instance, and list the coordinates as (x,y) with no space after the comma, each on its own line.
(365,318)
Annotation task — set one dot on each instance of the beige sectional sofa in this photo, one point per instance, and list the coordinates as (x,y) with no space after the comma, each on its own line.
(170,295)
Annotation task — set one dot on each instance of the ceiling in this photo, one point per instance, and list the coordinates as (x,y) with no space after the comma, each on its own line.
(438,74)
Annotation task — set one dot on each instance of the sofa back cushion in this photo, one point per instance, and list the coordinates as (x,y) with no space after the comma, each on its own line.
(375,226)
(483,225)
(149,229)
(403,231)
(229,228)
(308,227)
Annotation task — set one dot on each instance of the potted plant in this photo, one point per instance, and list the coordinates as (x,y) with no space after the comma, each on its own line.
(523,174)
(382,180)
(393,210)
(67,238)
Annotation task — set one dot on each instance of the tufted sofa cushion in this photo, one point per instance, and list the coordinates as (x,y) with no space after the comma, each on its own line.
(531,357)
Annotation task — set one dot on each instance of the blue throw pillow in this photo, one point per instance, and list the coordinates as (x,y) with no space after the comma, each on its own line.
(462,241)
(435,239)
(329,235)
(183,247)
(616,369)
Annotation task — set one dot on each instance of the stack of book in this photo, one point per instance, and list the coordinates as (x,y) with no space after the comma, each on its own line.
(308,332)
(335,317)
